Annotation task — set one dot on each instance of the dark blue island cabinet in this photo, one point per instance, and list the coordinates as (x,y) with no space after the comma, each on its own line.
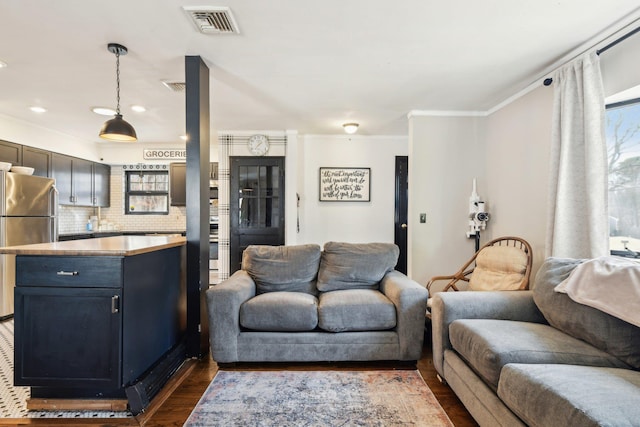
(99,319)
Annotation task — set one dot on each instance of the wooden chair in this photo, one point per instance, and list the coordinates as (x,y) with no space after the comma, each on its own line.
(502,264)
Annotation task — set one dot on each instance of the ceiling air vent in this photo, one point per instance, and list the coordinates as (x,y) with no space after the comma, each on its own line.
(175,86)
(212,19)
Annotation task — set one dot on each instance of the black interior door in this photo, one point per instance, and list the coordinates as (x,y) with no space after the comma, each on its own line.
(401,204)
(256,204)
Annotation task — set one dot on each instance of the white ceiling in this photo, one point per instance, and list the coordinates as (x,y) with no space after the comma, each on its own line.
(303,65)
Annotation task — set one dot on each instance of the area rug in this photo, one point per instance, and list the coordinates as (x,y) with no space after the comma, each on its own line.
(13,399)
(318,398)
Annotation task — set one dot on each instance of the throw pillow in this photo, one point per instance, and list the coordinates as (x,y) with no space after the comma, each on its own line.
(601,330)
(282,268)
(499,268)
(355,265)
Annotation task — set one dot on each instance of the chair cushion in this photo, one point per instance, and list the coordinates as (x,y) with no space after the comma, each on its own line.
(551,395)
(355,265)
(282,268)
(489,344)
(355,310)
(599,329)
(499,268)
(280,312)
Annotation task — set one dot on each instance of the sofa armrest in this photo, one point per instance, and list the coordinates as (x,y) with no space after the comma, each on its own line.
(410,300)
(223,307)
(450,306)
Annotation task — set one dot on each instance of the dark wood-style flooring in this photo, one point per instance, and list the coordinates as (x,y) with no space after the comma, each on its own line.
(181,396)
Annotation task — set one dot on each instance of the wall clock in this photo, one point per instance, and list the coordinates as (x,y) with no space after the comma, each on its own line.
(258,145)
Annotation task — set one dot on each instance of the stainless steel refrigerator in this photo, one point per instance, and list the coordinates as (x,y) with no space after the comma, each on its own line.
(28,207)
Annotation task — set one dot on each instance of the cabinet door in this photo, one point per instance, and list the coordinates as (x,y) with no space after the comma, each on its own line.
(68,337)
(10,152)
(39,160)
(61,172)
(178,184)
(101,185)
(82,182)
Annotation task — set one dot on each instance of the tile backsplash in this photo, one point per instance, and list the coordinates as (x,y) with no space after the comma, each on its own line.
(72,219)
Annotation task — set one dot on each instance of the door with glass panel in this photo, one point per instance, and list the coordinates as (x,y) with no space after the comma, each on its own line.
(256,204)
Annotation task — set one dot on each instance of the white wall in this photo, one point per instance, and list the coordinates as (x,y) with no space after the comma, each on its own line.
(24,133)
(517,170)
(372,221)
(126,153)
(445,154)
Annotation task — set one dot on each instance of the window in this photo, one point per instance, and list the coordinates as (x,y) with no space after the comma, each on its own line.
(147,193)
(623,150)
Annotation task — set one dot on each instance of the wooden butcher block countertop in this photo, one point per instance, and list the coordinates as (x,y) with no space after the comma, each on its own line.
(104,246)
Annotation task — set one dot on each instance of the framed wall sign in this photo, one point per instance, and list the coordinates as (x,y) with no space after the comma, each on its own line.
(345,184)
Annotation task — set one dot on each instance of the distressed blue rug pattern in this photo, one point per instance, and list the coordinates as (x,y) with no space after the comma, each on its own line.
(318,398)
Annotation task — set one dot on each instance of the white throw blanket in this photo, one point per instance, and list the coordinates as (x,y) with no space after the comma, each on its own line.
(610,284)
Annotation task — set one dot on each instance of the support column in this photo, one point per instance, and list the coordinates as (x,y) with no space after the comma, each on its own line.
(197,147)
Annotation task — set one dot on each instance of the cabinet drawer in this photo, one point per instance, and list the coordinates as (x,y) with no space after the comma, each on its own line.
(69,271)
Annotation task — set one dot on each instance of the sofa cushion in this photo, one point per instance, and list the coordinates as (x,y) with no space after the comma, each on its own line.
(282,268)
(280,312)
(489,344)
(355,310)
(499,268)
(548,395)
(599,329)
(355,265)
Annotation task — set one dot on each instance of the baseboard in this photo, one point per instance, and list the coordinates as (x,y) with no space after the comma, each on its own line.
(143,391)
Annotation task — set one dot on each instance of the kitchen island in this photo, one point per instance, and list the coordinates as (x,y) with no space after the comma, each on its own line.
(99,319)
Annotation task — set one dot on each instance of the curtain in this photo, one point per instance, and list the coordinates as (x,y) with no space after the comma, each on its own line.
(578,205)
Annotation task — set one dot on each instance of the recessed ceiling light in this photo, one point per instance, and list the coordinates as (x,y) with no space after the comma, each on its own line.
(104,111)
(184,137)
(37,109)
(3,64)
(138,108)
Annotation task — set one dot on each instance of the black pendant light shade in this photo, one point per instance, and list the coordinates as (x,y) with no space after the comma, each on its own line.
(118,129)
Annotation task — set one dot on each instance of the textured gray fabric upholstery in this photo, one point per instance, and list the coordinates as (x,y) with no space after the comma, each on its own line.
(223,308)
(480,400)
(450,306)
(282,268)
(232,343)
(489,344)
(280,311)
(355,310)
(318,346)
(580,396)
(601,330)
(355,265)
(557,378)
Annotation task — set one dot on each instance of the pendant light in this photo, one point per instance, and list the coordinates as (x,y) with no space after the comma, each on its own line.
(117,129)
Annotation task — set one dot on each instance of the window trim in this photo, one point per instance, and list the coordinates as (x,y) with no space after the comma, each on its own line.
(141,193)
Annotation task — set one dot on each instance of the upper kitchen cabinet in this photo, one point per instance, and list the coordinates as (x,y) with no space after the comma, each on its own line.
(75,181)
(39,160)
(178,184)
(101,185)
(10,152)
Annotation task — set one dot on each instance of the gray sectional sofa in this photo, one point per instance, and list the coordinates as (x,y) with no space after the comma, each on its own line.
(298,303)
(537,357)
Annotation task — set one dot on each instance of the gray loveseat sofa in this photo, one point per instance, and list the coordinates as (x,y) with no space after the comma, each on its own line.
(537,357)
(298,303)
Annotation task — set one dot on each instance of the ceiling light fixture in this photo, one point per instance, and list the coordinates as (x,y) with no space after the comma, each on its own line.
(3,64)
(138,108)
(350,128)
(117,129)
(37,109)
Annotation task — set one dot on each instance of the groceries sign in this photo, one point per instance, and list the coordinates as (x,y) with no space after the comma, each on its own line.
(163,154)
